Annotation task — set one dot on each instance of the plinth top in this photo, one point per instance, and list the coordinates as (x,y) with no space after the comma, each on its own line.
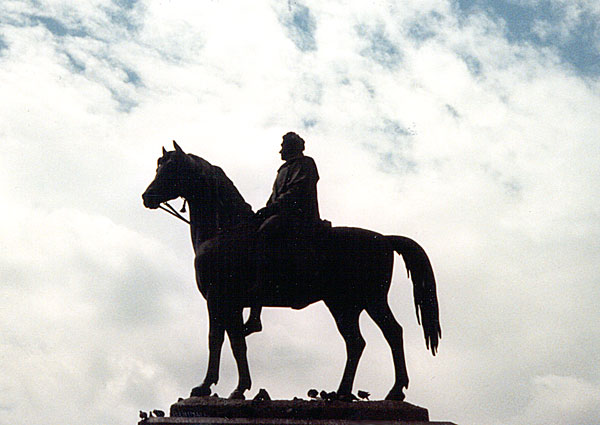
(299,409)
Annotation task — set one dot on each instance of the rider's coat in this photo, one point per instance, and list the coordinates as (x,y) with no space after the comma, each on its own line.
(295,190)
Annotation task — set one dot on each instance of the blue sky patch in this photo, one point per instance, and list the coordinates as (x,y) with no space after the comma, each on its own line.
(581,50)
(541,25)
(473,64)
(125,104)
(122,19)
(370,88)
(420,32)
(58,28)
(425,27)
(312,89)
(393,149)
(392,162)
(74,64)
(132,77)
(396,130)
(309,123)
(381,49)
(301,27)
(513,187)
(452,111)
(3,45)
(126,4)
(508,183)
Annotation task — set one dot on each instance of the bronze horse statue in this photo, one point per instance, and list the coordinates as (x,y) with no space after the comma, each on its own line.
(353,273)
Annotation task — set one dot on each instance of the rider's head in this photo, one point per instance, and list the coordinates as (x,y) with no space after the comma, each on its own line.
(292,146)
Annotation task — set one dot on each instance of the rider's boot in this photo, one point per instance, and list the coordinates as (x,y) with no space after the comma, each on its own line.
(253,324)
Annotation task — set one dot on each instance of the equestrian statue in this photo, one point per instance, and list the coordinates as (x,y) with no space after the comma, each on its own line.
(286,256)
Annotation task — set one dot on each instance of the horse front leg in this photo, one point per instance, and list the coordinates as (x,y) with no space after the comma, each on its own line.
(235,331)
(216,336)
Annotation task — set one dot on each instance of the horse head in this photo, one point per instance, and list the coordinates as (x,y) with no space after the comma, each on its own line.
(173,175)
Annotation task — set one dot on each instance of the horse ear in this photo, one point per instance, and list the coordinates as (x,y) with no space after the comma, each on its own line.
(177,147)
(164,151)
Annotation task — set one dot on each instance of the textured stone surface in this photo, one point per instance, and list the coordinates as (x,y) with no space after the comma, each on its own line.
(258,421)
(298,409)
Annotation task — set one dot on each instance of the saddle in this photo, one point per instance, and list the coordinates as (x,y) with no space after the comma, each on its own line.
(289,266)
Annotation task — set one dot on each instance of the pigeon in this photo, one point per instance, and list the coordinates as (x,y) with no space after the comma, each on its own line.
(159,413)
(313,393)
(262,395)
(329,396)
(363,394)
(143,415)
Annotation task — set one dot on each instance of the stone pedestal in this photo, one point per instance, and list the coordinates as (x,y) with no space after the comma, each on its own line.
(218,411)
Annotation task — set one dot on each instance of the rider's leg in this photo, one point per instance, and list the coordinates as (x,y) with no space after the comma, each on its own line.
(264,241)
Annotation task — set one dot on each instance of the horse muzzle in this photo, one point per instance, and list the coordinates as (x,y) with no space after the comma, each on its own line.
(150,201)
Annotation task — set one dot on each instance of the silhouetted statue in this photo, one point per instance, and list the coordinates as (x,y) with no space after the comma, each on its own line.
(287,223)
(353,273)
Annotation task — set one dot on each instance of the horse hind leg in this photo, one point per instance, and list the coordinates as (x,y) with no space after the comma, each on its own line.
(382,315)
(346,319)
(235,331)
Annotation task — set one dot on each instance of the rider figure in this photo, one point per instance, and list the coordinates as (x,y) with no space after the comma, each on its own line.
(292,208)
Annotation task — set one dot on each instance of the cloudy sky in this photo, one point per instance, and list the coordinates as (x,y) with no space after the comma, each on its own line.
(469,126)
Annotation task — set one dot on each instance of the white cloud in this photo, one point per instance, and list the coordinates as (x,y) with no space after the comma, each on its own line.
(501,193)
(568,399)
(83,299)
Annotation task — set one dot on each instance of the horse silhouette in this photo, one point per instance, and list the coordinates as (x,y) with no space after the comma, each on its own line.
(353,273)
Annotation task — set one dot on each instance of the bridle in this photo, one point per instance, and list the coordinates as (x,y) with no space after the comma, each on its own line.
(174,212)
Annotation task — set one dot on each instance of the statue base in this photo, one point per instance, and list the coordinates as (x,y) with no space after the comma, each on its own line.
(219,411)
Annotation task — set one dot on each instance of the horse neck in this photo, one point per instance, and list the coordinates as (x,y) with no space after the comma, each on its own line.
(203,223)
(213,212)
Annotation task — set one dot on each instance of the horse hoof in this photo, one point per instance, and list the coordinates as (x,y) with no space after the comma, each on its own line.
(395,396)
(346,397)
(237,395)
(201,391)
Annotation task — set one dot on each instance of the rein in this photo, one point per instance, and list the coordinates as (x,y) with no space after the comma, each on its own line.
(174,212)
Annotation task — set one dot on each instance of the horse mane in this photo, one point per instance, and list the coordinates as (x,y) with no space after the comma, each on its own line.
(231,207)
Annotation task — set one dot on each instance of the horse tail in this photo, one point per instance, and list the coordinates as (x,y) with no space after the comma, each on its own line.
(418,268)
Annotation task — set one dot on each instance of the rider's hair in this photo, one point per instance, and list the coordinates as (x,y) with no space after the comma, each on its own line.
(294,141)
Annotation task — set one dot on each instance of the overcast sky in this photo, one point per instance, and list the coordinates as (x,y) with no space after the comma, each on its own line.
(469,126)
